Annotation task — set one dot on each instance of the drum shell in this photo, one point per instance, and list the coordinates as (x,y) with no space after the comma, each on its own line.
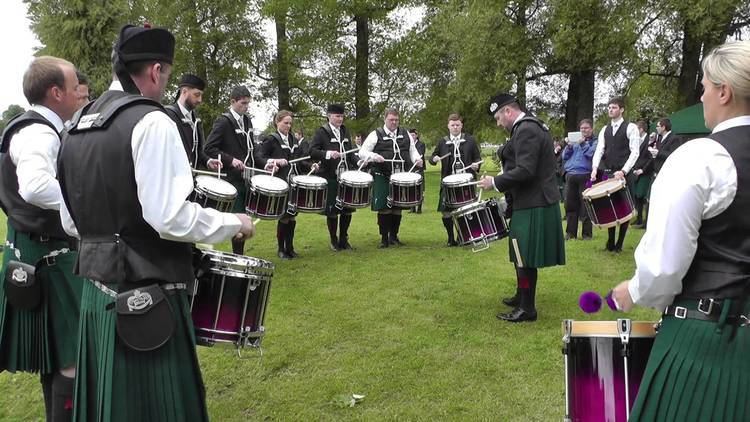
(405,193)
(608,207)
(353,193)
(230,299)
(459,192)
(265,202)
(206,197)
(308,197)
(480,221)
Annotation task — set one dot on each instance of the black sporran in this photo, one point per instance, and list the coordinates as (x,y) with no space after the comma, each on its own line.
(22,288)
(145,320)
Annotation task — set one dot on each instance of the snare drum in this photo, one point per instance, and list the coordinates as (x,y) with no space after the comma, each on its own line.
(608,203)
(405,190)
(604,365)
(479,223)
(267,197)
(355,189)
(458,190)
(212,192)
(229,304)
(308,194)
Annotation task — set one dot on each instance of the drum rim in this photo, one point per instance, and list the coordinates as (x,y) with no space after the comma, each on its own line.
(222,254)
(587,193)
(464,209)
(368,179)
(257,185)
(411,181)
(231,194)
(320,183)
(607,329)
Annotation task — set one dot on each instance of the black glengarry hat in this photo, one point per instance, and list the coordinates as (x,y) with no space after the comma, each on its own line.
(137,44)
(192,81)
(335,109)
(499,101)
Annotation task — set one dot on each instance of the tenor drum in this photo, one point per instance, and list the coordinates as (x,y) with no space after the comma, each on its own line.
(229,304)
(604,365)
(608,203)
(267,197)
(355,189)
(308,194)
(459,190)
(212,192)
(479,223)
(405,190)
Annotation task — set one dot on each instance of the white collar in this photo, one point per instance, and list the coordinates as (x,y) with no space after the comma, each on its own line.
(617,122)
(733,122)
(115,86)
(50,115)
(666,134)
(185,112)
(520,116)
(235,115)
(387,131)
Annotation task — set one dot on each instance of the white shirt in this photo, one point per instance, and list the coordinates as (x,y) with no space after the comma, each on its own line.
(240,121)
(634,143)
(365,151)
(34,152)
(697,182)
(164,179)
(187,114)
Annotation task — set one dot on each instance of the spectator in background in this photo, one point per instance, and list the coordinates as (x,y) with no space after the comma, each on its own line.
(82,90)
(577,157)
(666,143)
(559,169)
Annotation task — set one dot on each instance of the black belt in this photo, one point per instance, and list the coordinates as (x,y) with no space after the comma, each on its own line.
(704,310)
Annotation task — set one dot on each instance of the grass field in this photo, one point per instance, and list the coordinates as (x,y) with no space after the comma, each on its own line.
(411,328)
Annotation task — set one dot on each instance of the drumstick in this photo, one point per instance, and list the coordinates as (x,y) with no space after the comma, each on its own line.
(311,172)
(478,162)
(445,156)
(351,150)
(296,160)
(218,169)
(207,173)
(258,170)
(479,198)
(364,163)
(392,161)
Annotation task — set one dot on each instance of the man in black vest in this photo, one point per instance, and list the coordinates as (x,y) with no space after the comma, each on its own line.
(328,146)
(692,262)
(136,228)
(529,174)
(182,112)
(619,145)
(666,144)
(232,138)
(391,143)
(39,334)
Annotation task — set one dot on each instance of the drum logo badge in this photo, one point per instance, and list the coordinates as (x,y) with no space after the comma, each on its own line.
(139,301)
(20,276)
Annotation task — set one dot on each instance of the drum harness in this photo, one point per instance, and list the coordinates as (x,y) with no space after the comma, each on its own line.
(458,164)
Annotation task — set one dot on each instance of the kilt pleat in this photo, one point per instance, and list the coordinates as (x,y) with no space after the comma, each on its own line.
(380,191)
(536,233)
(117,383)
(695,373)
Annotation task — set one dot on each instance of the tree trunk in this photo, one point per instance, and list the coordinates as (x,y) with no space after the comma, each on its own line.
(690,67)
(282,64)
(580,104)
(362,68)
(521,88)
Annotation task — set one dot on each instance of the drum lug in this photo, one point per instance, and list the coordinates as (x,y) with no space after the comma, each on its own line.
(624,326)
(567,330)
(480,245)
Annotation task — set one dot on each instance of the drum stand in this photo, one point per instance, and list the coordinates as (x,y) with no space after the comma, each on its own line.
(567,330)
(624,327)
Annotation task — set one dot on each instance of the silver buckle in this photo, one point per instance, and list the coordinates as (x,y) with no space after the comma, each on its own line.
(745,321)
(710,306)
(680,312)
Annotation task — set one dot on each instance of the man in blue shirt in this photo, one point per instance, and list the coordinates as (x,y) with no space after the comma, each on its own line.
(577,157)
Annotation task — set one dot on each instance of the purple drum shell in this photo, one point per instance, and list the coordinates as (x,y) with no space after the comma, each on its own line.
(207,302)
(354,197)
(596,377)
(405,196)
(456,196)
(498,225)
(308,199)
(609,209)
(265,206)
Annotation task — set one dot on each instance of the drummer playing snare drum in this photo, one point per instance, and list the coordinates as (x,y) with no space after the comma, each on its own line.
(457,152)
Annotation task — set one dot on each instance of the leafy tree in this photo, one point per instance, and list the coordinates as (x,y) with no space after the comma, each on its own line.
(12,111)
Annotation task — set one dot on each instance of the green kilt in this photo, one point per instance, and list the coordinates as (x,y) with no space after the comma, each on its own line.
(380,190)
(642,187)
(333,190)
(695,373)
(241,200)
(441,202)
(116,383)
(536,236)
(46,338)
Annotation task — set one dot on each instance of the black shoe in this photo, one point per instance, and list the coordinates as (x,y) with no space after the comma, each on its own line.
(617,249)
(334,247)
(518,315)
(587,238)
(451,243)
(292,254)
(343,246)
(383,245)
(394,240)
(569,236)
(609,247)
(512,301)
(283,255)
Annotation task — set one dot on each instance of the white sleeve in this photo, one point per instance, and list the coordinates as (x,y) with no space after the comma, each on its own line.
(634,142)
(413,153)
(164,181)
(67,221)
(599,150)
(34,152)
(365,152)
(697,182)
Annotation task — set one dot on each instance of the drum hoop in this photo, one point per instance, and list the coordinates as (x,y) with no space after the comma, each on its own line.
(319,185)
(215,195)
(458,182)
(261,178)
(368,179)
(467,209)
(607,329)
(588,192)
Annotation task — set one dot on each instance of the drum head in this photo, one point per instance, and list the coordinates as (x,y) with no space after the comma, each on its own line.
(356,176)
(470,208)
(458,179)
(216,186)
(406,177)
(239,266)
(268,183)
(311,181)
(604,188)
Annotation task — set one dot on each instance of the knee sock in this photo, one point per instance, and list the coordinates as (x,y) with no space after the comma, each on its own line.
(332,223)
(527,288)
(62,398)
(448,224)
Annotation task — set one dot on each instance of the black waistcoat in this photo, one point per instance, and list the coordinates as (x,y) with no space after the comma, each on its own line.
(97,178)
(616,147)
(385,147)
(721,265)
(194,152)
(23,216)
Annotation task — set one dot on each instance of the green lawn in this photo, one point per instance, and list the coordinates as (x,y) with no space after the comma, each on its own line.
(411,328)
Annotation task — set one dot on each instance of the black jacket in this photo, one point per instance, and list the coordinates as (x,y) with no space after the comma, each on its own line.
(226,138)
(644,161)
(666,148)
(186,134)
(528,160)
(469,154)
(272,147)
(324,141)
